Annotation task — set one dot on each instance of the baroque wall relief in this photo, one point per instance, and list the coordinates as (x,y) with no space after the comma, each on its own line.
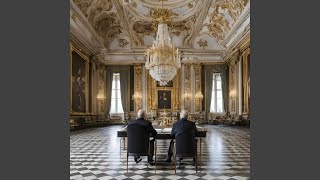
(187,87)
(197,74)
(137,86)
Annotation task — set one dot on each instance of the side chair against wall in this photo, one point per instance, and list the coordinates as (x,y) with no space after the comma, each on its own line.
(139,142)
(185,146)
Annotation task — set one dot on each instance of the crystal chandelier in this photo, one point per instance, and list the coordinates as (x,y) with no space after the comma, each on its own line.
(163,59)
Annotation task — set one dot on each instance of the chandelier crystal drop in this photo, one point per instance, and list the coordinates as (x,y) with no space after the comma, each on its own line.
(163,59)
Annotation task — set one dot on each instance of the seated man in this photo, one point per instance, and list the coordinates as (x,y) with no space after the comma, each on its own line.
(179,127)
(146,124)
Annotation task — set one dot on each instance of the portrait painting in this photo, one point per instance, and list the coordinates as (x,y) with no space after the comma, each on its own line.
(170,84)
(164,99)
(78,86)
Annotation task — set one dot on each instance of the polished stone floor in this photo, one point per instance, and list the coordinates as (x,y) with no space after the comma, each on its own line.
(95,154)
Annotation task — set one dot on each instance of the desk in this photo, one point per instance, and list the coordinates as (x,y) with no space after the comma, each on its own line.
(163,133)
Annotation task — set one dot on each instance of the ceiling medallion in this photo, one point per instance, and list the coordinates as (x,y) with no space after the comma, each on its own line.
(163,59)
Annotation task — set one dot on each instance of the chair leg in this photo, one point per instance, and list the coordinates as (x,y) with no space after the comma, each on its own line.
(120,149)
(155,156)
(148,158)
(174,157)
(127,161)
(196,163)
(196,160)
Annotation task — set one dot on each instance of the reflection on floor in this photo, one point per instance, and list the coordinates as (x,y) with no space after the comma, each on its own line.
(95,154)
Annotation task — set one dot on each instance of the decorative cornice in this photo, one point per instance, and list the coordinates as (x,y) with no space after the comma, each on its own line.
(243,17)
(196,28)
(76,14)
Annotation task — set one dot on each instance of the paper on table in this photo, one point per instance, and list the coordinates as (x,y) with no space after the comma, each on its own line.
(158,130)
(167,129)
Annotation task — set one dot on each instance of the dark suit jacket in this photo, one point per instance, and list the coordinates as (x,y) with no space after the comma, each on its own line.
(146,124)
(183,125)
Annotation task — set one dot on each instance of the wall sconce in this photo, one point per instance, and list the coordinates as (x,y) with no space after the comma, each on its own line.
(187,96)
(233,94)
(101,98)
(199,95)
(137,96)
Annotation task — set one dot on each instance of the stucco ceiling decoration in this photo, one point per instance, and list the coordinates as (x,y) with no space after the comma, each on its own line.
(223,15)
(181,9)
(128,26)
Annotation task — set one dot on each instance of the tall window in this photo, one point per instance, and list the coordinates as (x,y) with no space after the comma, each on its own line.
(216,98)
(116,105)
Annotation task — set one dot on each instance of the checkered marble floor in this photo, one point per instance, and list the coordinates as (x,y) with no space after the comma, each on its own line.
(96,154)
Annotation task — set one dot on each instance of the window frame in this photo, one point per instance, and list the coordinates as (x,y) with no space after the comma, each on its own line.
(117,96)
(214,92)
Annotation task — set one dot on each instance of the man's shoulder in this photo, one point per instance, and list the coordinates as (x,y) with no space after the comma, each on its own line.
(143,122)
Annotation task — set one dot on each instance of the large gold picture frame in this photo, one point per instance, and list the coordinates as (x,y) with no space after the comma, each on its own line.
(152,93)
(86,62)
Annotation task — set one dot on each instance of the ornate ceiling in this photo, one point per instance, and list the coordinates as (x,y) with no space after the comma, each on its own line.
(116,28)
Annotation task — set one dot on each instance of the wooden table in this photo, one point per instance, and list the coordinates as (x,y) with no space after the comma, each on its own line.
(163,133)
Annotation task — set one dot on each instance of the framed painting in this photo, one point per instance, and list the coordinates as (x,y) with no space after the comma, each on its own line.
(79,69)
(164,99)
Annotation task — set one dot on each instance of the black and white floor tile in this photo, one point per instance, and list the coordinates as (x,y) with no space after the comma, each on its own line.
(95,154)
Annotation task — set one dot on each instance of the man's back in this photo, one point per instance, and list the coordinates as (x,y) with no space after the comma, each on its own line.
(145,124)
(182,126)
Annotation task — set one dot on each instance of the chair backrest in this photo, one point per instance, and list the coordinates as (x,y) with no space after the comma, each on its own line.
(186,144)
(138,140)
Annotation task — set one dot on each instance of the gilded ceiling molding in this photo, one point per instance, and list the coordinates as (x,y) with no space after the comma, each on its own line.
(83,5)
(202,43)
(81,31)
(219,26)
(122,43)
(131,7)
(108,27)
(197,22)
(126,21)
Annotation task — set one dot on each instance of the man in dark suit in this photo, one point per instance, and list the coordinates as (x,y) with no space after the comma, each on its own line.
(179,127)
(146,124)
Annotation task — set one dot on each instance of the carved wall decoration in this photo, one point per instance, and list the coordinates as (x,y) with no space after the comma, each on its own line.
(101,86)
(197,73)
(246,81)
(232,87)
(187,87)
(122,43)
(202,43)
(137,85)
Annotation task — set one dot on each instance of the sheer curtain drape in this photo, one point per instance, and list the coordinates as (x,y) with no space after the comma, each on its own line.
(208,85)
(125,89)
(224,73)
(109,78)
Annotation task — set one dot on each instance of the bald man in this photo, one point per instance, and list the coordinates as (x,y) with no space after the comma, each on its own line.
(141,115)
(179,127)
